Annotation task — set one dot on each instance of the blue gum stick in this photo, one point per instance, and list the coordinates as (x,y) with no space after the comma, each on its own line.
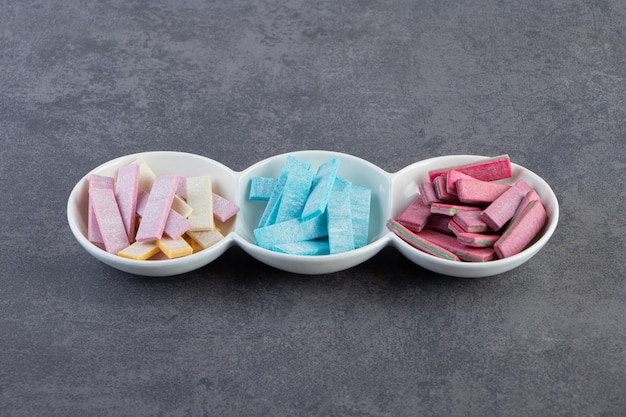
(271,210)
(320,190)
(340,235)
(261,188)
(360,200)
(291,231)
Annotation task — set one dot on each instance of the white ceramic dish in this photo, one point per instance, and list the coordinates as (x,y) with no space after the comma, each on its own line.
(391,193)
(358,171)
(404,185)
(163,163)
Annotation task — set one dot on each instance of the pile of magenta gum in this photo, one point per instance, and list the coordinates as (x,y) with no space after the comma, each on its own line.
(462,214)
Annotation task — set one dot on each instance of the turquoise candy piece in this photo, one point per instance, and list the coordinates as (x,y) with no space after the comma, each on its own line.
(360,199)
(294,230)
(340,235)
(261,188)
(320,190)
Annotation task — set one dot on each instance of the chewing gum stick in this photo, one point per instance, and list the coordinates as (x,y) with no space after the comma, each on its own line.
(415,216)
(520,233)
(490,169)
(501,210)
(199,197)
(126,188)
(109,220)
(418,242)
(96,182)
(157,208)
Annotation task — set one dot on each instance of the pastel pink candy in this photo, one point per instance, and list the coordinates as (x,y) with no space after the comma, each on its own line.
(471,191)
(523,230)
(126,189)
(501,210)
(157,208)
(441,189)
(415,216)
(109,220)
(175,225)
(96,182)
(223,209)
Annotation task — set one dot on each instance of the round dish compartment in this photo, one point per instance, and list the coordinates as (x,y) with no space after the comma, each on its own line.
(356,170)
(224,182)
(405,189)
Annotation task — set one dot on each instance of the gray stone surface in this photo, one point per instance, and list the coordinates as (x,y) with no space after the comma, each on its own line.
(393,82)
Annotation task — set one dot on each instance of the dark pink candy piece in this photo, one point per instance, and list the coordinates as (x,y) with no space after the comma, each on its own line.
(523,230)
(472,191)
(492,169)
(96,182)
(109,220)
(428,193)
(501,210)
(415,216)
(478,240)
(441,189)
(451,209)
(470,221)
(453,177)
(455,227)
(439,223)
(530,196)
(464,252)
(417,241)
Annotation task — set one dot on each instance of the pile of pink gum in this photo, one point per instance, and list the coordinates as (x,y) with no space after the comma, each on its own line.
(135,214)
(462,214)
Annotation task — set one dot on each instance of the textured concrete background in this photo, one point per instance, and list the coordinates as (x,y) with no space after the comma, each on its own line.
(393,82)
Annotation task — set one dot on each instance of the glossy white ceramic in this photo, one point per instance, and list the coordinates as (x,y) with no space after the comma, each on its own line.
(358,171)
(391,193)
(404,186)
(162,163)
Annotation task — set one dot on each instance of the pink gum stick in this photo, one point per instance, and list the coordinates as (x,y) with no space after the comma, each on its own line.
(428,193)
(109,219)
(418,242)
(157,208)
(501,210)
(495,168)
(521,232)
(464,252)
(96,182)
(453,176)
(223,209)
(441,189)
(415,216)
(470,221)
(451,209)
(479,192)
(126,194)
(175,225)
